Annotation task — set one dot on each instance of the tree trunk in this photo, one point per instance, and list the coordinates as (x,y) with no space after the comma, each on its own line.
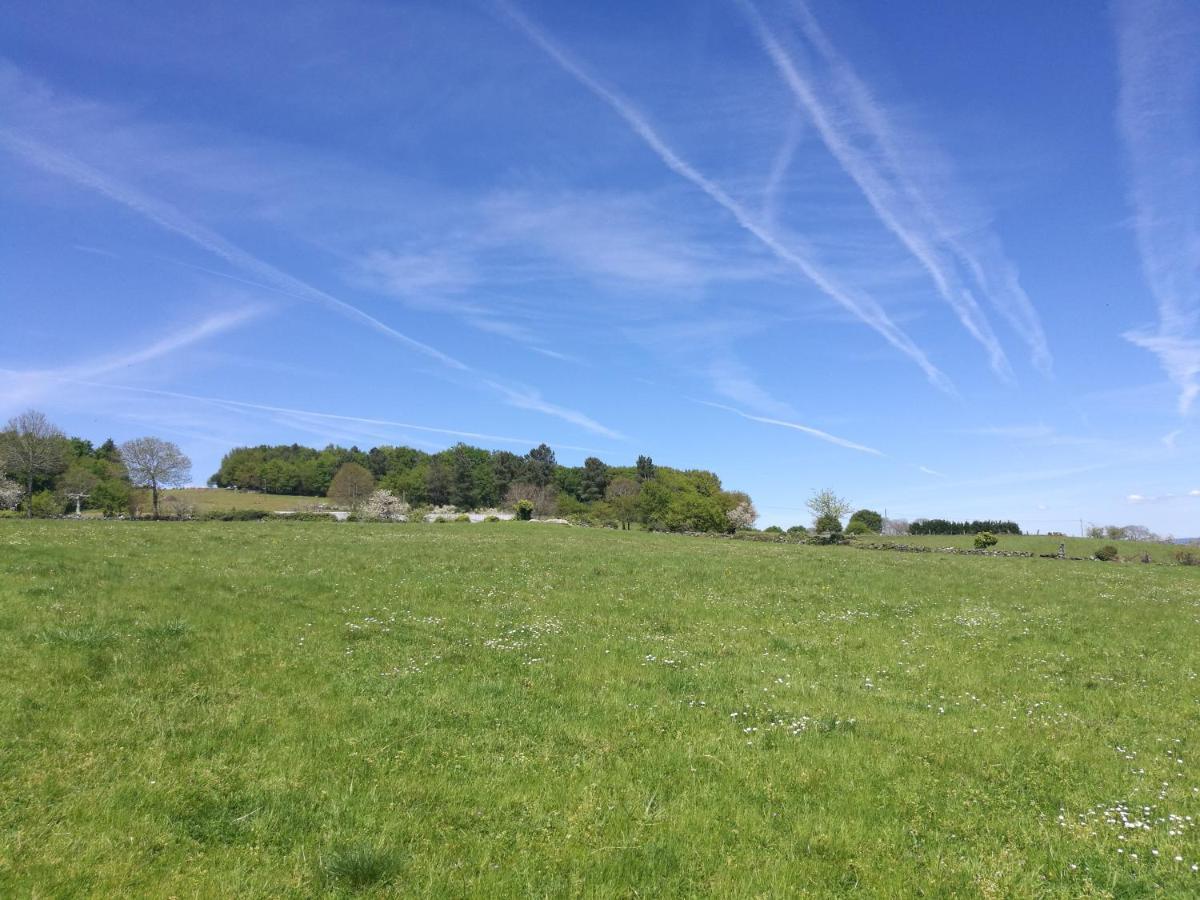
(154,496)
(29,496)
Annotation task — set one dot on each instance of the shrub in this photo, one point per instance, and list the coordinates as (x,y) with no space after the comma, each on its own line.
(384,506)
(797,529)
(1108,553)
(828,524)
(491,519)
(234,515)
(524,510)
(45,505)
(985,539)
(772,529)
(858,526)
(1187,558)
(462,517)
(869,518)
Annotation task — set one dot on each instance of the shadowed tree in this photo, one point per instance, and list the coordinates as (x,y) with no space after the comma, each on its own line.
(645,468)
(155,464)
(32,448)
(351,486)
(541,465)
(622,496)
(871,520)
(594,480)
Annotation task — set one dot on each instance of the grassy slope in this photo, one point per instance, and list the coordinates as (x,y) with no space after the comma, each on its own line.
(1080,547)
(281,709)
(206,499)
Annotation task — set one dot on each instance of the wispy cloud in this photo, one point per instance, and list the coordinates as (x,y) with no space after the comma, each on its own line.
(791,252)
(332,417)
(24,387)
(795,426)
(859,133)
(733,381)
(1158,115)
(166,216)
(526,398)
(1138,499)
(929,471)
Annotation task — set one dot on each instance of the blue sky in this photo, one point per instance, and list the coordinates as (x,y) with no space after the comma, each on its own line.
(945,263)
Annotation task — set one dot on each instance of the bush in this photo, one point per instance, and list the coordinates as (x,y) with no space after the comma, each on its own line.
(858,526)
(872,521)
(828,524)
(1187,558)
(797,529)
(772,529)
(234,515)
(462,517)
(46,505)
(985,539)
(492,519)
(1108,553)
(524,509)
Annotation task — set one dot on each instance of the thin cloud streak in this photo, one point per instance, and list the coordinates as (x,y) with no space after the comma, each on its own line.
(531,400)
(1158,122)
(884,197)
(815,432)
(288,411)
(946,231)
(865,308)
(25,386)
(171,219)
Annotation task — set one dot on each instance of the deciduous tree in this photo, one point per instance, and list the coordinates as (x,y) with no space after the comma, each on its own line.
(351,485)
(32,448)
(155,464)
(622,496)
(10,493)
(826,505)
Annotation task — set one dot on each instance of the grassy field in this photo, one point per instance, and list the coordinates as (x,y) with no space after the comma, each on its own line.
(273,709)
(1079,547)
(210,499)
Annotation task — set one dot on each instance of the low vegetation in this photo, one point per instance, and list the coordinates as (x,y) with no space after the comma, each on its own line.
(295,709)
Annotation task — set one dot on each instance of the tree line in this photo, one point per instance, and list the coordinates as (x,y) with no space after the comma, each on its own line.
(468,477)
(944,526)
(45,473)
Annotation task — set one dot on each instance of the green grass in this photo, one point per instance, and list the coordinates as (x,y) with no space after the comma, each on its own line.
(1078,547)
(272,709)
(209,499)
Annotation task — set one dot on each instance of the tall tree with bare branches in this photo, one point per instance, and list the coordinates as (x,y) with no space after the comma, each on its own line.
(30,448)
(154,463)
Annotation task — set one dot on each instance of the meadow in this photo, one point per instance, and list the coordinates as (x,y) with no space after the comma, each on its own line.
(292,709)
(205,500)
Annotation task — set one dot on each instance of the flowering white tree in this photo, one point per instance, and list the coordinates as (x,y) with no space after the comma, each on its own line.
(10,494)
(385,506)
(744,515)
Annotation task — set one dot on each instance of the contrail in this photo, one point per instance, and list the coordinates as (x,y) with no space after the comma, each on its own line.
(983,257)
(815,432)
(882,196)
(168,217)
(864,307)
(22,385)
(1157,118)
(284,410)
